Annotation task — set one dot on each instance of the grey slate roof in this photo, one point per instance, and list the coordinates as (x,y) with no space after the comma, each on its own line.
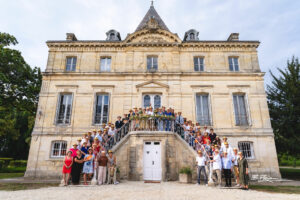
(152,13)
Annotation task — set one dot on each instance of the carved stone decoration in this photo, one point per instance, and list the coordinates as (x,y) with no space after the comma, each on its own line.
(152,23)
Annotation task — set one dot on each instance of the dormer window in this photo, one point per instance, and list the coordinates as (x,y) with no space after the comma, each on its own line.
(152,63)
(113,35)
(191,35)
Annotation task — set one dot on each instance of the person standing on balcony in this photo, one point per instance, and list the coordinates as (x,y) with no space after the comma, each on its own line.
(217,166)
(179,119)
(160,121)
(201,163)
(168,125)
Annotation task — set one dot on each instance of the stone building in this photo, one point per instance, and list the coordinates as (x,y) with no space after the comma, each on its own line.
(90,82)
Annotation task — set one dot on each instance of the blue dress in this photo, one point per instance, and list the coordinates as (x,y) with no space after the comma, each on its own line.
(88,165)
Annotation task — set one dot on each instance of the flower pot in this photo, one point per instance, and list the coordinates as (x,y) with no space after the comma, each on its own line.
(185,178)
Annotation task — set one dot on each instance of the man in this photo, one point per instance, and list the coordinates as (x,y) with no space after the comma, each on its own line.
(226,165)
(102,127)
(217,166)
(235,166)
(201,162)
(212,135)
(205,129)
(112,168)
(228,149)
(102,161)
(119,123)
(111,131)
(99,135)
(179,119)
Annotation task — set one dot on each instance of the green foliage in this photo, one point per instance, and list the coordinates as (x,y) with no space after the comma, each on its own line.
(5,162)
(18,163)
(284,105)
(288,160)
(19,89)
(185,170)
(2,164)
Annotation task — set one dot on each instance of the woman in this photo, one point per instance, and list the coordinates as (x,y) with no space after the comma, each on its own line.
(67,168)
(198,141)
(88,165)
(243,171)
(206,138)
(77,168)
(112,168)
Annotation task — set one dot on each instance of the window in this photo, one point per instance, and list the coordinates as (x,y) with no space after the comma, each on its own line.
(247,149)
(241,118)
(64,109)
(153,100)
(71,64)
(152,64)
(105,64)
(192,36)
(199,64)
(202,109)
(102,109)
(58,149)
(233,64)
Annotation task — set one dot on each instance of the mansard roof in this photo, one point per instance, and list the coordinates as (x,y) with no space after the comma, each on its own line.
(150,15)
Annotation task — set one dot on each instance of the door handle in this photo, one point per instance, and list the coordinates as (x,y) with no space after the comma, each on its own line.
(152,162)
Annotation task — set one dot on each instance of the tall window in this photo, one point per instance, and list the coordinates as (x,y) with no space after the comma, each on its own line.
(233,64)
(102,109)
(153,100)
(64,109)
(241,117)
(247,149)
(199,64)
(202,109)
(152,63)
(105,64)
(71,63)
(58,149)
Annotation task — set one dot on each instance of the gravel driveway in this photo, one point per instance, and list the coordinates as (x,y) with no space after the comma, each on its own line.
(143,191)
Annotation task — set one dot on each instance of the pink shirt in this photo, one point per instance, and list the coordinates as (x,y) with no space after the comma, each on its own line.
(74,152)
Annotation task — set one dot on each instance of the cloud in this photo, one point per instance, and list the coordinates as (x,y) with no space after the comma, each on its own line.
(274,22)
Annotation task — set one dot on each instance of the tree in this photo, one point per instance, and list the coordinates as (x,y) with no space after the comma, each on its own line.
(19,89)
(284,105)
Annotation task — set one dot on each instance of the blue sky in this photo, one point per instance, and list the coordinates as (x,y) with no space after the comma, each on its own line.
(276,23)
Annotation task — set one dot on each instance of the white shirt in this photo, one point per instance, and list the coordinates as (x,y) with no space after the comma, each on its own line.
(200,160)
(111,132)
(235,157)
(150,112)
(228,150)
(217,162)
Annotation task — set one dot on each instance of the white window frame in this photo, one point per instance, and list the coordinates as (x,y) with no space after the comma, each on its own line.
(152,96)
(58,108)
(62,143)
(106,67)
(209,107)
(72,63)
(246,109)
(152,63)
(251,150)
(232,60)
(95,108)
(199,63)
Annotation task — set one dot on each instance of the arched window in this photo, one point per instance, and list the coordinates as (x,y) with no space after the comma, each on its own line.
(58,149)
(147,101)
(157,101)
(192,36)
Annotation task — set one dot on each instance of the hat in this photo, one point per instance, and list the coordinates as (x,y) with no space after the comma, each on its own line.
(110,151)
(79,139)
(199,151)
(217,150)
(96,138)
(235,149)
(216,145)
(225,152)
(94,130)
(225,143)
(224,137)
(75,144)
(90,148)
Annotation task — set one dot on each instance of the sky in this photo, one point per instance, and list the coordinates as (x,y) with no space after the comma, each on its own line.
(275,23)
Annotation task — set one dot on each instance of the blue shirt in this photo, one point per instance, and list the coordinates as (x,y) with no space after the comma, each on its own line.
(226,163)
(84,150)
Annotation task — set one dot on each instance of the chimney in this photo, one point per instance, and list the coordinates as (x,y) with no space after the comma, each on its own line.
(233,37)
(71,37)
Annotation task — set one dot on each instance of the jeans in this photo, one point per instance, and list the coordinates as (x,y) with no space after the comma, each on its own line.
(217,176)
(227,174)
(168,124)
(200,169)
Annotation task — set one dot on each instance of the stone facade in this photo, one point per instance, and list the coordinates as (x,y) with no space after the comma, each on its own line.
(175,80)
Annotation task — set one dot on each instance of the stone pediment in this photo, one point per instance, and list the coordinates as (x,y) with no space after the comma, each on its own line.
(152,84)
(152,36)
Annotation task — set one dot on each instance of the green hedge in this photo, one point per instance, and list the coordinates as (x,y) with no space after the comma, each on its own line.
(5,162)
(18,163)
(288,160)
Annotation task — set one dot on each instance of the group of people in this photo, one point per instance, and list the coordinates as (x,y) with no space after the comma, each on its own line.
(91,154)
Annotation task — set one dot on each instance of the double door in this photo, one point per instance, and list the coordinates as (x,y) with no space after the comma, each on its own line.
(152,161)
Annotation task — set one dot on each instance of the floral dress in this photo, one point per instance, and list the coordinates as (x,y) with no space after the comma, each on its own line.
(88,164)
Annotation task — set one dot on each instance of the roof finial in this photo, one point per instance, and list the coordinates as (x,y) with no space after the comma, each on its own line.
(152,2)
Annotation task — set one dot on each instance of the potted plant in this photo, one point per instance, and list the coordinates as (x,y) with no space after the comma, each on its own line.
(185,175)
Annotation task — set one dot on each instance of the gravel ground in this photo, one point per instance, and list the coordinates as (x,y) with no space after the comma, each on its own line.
(143,191)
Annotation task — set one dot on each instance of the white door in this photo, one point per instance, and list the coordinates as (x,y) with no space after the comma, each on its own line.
(152,161)
(153,100)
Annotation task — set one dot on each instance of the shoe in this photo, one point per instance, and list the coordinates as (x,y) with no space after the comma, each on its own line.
(206,185)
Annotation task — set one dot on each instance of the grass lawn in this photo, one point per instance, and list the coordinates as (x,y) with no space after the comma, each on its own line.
(24,186)
(290,173)
(11,175)
(276,189)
